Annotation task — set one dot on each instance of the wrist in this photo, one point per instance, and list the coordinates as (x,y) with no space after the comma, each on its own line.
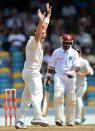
(85,74)
(46,20)
(48,16)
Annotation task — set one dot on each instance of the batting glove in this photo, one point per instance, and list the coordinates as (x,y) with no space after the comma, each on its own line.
(71,73)
(47,81)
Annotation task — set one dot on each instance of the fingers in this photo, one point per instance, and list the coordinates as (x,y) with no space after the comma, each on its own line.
(44,13)
(49,10)
(38,11)
(40,15)
(47,6)
(50,7)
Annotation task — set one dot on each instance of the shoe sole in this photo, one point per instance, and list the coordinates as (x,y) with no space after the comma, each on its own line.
(20,127)
(40,124)
(44,124)
(80,122)
(35,123)
(70,124)
(58,123)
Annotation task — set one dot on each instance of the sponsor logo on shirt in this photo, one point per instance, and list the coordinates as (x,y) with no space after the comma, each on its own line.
(59,58)
(50,62)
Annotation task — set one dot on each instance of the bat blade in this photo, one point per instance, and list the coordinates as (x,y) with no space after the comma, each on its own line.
(45,103)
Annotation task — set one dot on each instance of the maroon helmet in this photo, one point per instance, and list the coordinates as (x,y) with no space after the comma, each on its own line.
(67,41)
(67,38)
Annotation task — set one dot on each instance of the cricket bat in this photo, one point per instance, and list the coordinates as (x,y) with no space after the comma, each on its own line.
(45,103)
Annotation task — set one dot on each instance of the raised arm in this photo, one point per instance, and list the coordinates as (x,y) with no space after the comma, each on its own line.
(39,27)
(47,18)
(43,23)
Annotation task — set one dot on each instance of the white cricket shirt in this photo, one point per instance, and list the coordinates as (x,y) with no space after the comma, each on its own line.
(84,67)
(64,61)
(34,56)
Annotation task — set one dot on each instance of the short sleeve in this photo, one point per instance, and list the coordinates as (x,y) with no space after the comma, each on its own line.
(88,67)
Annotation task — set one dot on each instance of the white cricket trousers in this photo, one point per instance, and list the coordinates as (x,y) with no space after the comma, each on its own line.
(80,91)
(33,93)
(64,84)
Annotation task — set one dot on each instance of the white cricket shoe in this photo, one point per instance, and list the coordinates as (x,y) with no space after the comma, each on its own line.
(20,125)
(39,122)
(70,123)
(78,121)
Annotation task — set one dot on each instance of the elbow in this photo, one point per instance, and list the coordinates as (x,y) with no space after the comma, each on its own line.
(92,73)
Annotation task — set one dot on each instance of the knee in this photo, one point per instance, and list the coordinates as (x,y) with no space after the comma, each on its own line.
(70,98)
(59,99)
(58,96)
(25,93)
(36,102)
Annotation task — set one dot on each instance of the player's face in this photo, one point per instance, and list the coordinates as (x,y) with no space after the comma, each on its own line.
(66,45)
(43,35)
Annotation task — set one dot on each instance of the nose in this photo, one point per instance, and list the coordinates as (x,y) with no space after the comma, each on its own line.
(44,33)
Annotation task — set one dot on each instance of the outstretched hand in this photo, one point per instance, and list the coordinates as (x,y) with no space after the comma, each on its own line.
(40,15)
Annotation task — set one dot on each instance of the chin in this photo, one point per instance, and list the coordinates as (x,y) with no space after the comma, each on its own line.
(42,40)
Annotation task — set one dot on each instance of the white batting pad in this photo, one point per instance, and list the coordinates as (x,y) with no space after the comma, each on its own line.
(59,105)
(70,107)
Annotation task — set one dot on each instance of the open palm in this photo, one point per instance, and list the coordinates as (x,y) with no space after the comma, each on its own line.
(40,15)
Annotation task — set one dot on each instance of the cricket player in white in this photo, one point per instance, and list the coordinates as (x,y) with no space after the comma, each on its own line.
(33,91)
(81,86)
(65,62)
